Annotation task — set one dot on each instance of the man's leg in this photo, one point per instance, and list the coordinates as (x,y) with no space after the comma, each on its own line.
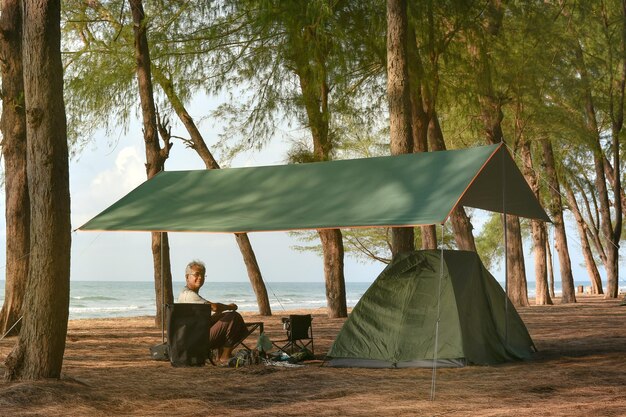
(226,354)
(226,332)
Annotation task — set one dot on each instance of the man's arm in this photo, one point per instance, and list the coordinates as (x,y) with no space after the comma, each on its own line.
(219,307)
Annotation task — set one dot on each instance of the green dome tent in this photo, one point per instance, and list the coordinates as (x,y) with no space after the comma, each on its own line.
(394,323)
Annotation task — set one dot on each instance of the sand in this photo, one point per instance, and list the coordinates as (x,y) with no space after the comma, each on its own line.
(580,370)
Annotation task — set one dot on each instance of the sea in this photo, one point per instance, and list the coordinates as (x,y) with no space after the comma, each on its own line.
(105,299)
(108,299)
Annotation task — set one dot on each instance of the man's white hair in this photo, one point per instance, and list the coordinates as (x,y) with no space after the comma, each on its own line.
(195,262)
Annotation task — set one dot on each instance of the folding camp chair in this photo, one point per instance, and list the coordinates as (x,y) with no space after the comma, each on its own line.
(299,333)
(252,326)
(188,333)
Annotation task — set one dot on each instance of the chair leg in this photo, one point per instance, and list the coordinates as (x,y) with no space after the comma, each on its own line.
(211,356)
(308,345)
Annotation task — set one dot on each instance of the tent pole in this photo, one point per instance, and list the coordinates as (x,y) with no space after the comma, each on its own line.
(433,383)
(162,294)
(506,254)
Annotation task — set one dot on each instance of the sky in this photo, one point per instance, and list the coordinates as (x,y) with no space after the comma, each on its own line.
(112,165)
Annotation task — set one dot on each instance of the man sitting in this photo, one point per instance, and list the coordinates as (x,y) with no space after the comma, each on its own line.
(227,326)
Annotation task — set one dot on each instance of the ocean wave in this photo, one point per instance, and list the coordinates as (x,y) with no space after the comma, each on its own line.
(282,299)
(94,298)
(226,295)
(78,310)
(299,303)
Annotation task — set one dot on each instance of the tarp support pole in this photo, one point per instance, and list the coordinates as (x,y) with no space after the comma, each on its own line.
(162,293)
(506,254)
(433,384)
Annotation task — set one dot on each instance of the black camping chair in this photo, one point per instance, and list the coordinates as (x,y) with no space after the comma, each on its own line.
(299,333)
(188,333)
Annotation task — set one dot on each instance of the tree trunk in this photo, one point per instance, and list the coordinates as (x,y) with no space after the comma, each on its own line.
(590,263)
(419,124)
(517,288)
(492,116)
(426,129)
(402,238)
(550,268)
(542,289)
(332,245)
(538,231)
(429,236)
(155,155)
(419,129)
(556,206)
(543,295)
(461,224)
(490,102)
(311,73)
(609,172)
(160,245)
(610,233)
(611,248)
(617,123)
(41,344)
(13,126)
(462,227)
(254,274)
(593,224)
(199,145)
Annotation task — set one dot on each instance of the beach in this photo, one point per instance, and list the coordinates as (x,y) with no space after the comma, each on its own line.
(579,370)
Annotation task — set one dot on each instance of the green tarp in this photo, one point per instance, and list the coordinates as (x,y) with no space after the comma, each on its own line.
(394,323)
(413,189)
